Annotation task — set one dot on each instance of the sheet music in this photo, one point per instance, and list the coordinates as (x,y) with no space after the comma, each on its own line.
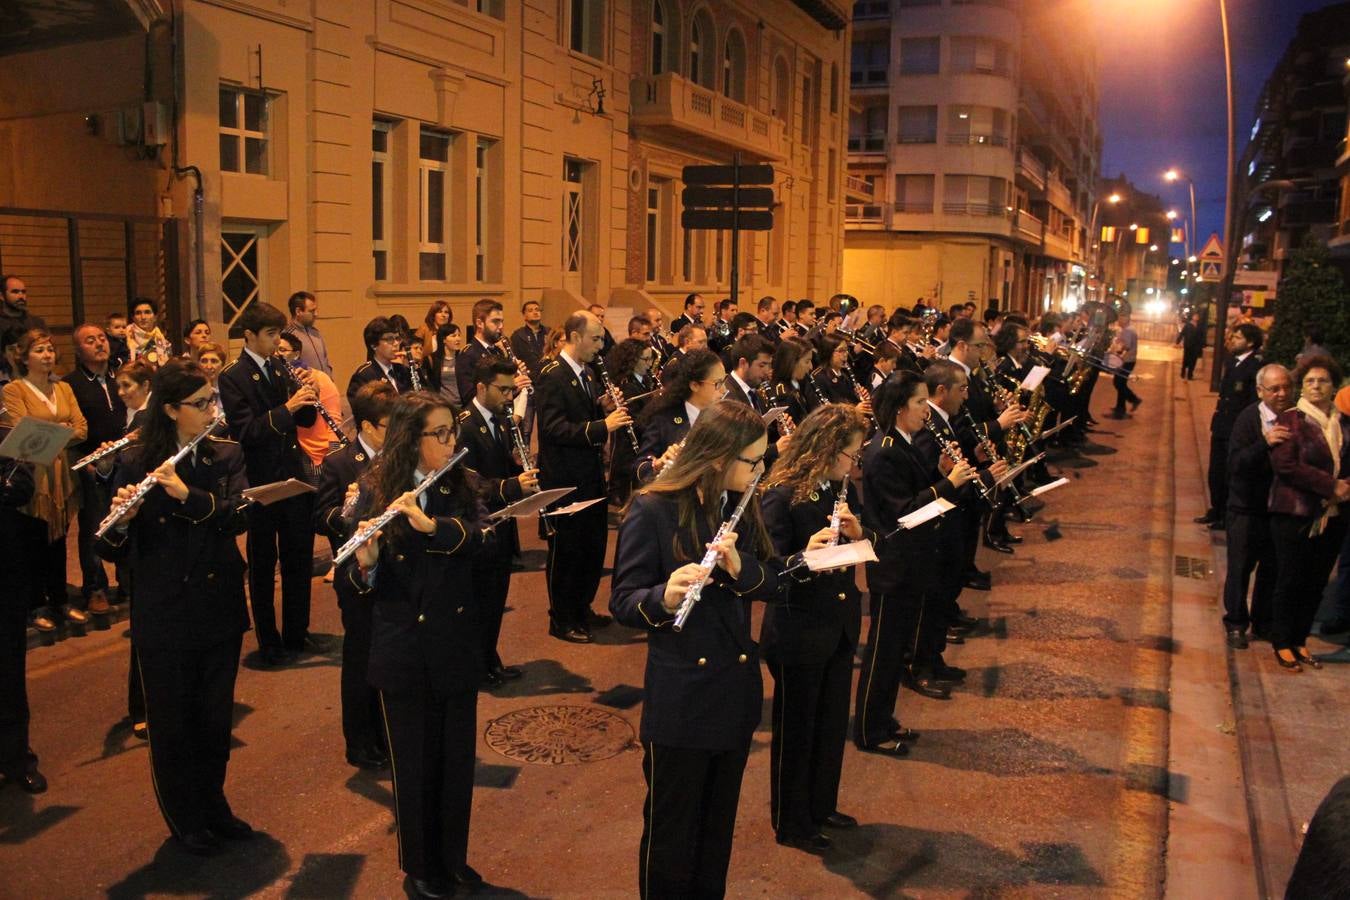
(531,505)
(927,513)
(1035,377)
(773,415)
(36,441)
(267,494)
(840,556)
(573,507)
(1058,482)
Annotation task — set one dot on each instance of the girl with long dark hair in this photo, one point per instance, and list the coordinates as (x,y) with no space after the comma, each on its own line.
(692,385)
(425,654)
(703,685)
(792,363)
(829,378)
(188,616)
(629,364)
(809,639)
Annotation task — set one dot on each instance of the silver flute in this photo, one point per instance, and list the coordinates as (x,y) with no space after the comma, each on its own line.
(103,452)
(837,514)
(363,535)
(617,396)
(695,591)
(120,510)
(293,375)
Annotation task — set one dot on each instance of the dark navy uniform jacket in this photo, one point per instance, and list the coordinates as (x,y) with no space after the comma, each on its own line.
(497,472)
(254,404)
(819,608)
(659,431)
(703,685)
(188,574)
(899,479)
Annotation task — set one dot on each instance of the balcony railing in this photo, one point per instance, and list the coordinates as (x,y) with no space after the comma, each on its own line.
(975,209)
(1057,192)
(670,101)
(989,140)
(1028,226)
(859,187)
(911,207)
(865,213)
(1031,168)
(872,142)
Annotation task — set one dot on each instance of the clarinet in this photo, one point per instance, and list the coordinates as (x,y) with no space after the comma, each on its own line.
(120,510)
(519,440)
(952,451)
(785,424)
(617,396)
(505,346)
(982,433)
(293,376)
(412,375)
(100,454)
(363,535)
(839,505)
(695,591)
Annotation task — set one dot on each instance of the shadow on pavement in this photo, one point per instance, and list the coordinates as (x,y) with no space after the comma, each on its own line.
(241,869)
(1030,681)
(19,821)
(325,875)
(883,860)
(1000,752)
(543,677)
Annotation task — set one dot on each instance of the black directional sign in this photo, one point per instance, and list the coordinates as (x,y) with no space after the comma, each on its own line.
(725,198)
(722,220)
(720,198)
(727,174)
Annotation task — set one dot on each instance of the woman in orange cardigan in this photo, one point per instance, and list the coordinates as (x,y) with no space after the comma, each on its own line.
(39,394)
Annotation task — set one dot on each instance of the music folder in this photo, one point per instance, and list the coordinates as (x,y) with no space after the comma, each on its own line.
(840,556)
(573,507)
(926,513)
(523,509)
(36,441)
(773,415)
(267,494)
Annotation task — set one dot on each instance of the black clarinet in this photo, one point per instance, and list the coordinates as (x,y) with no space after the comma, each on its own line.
(293,378)
(617,396)
(987,444)
(952,451)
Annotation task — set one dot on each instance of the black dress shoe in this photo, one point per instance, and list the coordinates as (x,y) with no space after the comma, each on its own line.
(276,656)
(370,760)
(956,636)
(899,748)
(233,828)
(949,673)
(905,734)
(961,620)
(30,781)
(199,843)
(573,634)
(979,584)
(1291,664)
(597,620)
(837,819)
(491,680)
(467,875)
(1206,518)
(1237,639)
(508,673)
(1011,539)
(428,888)
(928,687)
(811,843)
(997,546)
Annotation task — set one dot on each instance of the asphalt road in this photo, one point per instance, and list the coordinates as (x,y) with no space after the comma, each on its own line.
(1045,775)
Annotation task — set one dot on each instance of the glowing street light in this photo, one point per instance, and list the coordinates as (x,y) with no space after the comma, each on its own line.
(1171,215)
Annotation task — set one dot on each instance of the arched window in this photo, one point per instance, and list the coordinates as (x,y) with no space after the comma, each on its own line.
(782,89)
(658,48)
(733,66)
(702,50)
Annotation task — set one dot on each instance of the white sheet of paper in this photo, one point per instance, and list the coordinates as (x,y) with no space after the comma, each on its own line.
(840,556)
(1035,377)
(532,504)
(573,507)
(1018,470)
(926,513)
(1049,487)
(267,494)
(36,441)
(772,415)
(1058,428)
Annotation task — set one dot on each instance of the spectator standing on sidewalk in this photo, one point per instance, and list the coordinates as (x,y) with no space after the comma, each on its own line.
(1126,345)
(1236,392)
(1254,434)
(1192,341)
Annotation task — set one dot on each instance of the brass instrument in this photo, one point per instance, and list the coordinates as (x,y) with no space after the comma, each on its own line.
(854,338)
(146,484)
(709,560)
(617,396)
(987,445)
(363,535)
(293,376)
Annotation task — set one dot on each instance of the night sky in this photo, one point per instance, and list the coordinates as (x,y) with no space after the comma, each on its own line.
(1162,89)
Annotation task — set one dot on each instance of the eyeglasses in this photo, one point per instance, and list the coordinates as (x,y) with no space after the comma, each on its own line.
(201,404)
(751,462)
(506,390)
(856,457)
(389,339)
(443,435)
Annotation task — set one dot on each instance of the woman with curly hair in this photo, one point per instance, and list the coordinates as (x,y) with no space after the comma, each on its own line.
(809,639)
(692,385)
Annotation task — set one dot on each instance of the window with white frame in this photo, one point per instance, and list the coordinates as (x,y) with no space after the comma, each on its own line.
(658,48)
(433,171)
(655,192)
(380,225)
(243,131)
(482,208)
(587,27)
(974,195)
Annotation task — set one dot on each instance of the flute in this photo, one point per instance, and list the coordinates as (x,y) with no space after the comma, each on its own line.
(293,376)
(120,510)
(363,535)
(695,591)
(617,396)
(104,452)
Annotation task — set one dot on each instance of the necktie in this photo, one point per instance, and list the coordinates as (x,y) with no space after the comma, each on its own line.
(502,423)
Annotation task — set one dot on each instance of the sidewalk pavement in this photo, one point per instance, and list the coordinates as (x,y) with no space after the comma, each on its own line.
(1290,728)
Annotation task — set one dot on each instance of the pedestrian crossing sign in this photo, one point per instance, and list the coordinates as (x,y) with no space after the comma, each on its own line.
(1210,270)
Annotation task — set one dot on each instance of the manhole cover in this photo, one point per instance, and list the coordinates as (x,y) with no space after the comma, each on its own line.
(559,735)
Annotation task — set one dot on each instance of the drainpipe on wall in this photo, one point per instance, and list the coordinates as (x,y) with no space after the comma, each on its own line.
(198,245)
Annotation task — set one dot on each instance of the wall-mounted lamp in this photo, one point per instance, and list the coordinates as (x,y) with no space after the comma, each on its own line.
(598,92)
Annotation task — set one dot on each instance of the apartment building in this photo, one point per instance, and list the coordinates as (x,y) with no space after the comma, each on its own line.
(390,153)
(973,154)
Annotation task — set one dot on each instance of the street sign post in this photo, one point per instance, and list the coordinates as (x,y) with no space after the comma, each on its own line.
(717,198)
(1212,260)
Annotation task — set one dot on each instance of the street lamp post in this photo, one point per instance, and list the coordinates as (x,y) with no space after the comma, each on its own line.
(1113,199)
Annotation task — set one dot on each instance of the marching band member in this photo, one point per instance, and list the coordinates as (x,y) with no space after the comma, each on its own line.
(425,656)
(809,639)
(188,616)
(485,428)
(264,417)
(339,475)
(693,313)
(573,431)
(18,762)
(703,686)
(899,479)
(383,342)
(629,365)
(792,387)
(488,321)
(692,387)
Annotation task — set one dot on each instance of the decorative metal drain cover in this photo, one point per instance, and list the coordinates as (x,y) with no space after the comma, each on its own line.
(1192,567)
(559,735)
